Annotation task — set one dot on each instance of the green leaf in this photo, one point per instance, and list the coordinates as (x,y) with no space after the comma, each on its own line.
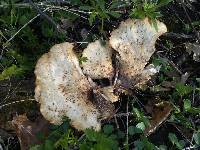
(162,147)
(91,135)
(141,126)
(82,59)
(187,104)
(163,2)
(120,134)
(48,145)
(10,71)
(115,14)
(86,7)
(115,4)
(180,145)
(108,129)
(155,24)
(139,145)
(36,147)
(183,89)
(140,116)
(101,4)
(47,30)
(133,130)
(196,137)
(92,18)
(172,137)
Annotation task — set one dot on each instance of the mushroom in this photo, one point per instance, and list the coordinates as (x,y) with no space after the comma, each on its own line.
(99,60)
(134,41)
(63,90)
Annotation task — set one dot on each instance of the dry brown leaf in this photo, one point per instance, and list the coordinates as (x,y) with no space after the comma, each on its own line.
(27,130)
(159,114)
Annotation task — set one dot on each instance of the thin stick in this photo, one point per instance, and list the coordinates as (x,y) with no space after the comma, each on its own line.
(24,26)
(15,102)
(116,122)
(127,117)
(44,15)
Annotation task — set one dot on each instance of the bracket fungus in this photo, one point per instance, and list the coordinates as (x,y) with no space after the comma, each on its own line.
(99,61)
(63,90)
(134,40)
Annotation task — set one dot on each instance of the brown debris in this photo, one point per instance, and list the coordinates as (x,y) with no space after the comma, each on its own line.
(27,130)
(160,112)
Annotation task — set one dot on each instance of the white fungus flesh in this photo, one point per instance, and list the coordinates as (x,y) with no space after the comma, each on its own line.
(99,61)
(134,40)
(63,90)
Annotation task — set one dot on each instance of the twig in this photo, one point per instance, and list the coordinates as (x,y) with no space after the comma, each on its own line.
(73,11)
(116,122)
(178,35)
(44,15)
(81,137)
(123,114)
(9,94)
(127,117)
(181,133)
(190,21)
(15,102)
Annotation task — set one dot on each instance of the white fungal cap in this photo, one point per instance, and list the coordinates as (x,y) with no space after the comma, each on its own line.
(99,61)
(134,40)
(62,89)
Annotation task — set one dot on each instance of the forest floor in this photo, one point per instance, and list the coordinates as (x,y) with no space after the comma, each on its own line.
(28,29)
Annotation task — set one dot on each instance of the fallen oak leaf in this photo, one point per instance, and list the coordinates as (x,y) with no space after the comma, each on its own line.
(159,114)
(27,130)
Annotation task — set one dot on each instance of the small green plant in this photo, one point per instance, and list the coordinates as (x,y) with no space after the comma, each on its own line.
(148,8)
(188,107)
(101,10)
(99,140)
(174,140)
(196,139)
(60,137)
(182,89)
